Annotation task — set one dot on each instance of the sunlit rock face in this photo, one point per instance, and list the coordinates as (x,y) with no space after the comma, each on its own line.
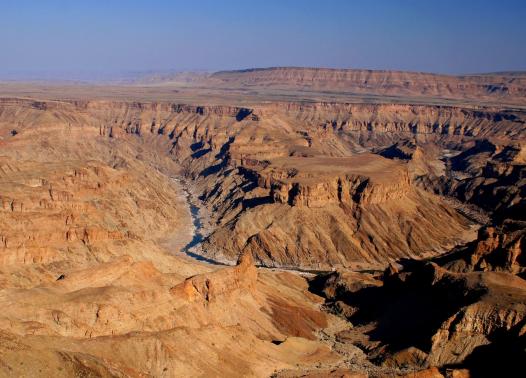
(93,280)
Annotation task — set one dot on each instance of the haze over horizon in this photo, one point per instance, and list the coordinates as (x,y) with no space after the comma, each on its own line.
(108,39)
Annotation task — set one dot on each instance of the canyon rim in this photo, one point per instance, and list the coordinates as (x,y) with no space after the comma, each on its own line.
(281,221)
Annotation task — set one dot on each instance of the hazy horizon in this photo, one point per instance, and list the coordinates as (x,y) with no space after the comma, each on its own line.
(96,40)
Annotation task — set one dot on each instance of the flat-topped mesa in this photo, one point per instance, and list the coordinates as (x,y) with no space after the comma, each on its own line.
(384,82)
(316,182)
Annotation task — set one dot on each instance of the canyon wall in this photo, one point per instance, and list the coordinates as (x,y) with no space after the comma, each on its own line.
(91,227)
(397,83)
(261,171)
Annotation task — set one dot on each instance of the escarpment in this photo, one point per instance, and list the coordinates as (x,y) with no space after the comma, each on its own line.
(349,195)
(396,83)
(410,119)
(97,238)
(92,228)
(394,118)
(262,170)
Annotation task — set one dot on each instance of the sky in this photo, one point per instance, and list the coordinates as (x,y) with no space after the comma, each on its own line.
(96,37)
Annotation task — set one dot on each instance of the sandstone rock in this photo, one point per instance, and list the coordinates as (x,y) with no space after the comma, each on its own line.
(340,284)
(426,373)
(87,197)
(209,287)
(458,373)
(407,358)
(498,248)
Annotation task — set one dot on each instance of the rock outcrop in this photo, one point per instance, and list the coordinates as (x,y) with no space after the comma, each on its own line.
(497,248)
(316,182)
(283,199)
(92,224)
(472,313)
(213,286)
(255,166)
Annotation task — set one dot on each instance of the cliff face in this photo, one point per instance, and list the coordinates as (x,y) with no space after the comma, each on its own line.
(91,232)
(87,198)
(347,190)
(263,170)
(396,83)
(299,159)
(497,248)
(310,182)
(411,119)
(381,118)
(472,320)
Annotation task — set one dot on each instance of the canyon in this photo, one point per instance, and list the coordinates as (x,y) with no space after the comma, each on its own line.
(264,222)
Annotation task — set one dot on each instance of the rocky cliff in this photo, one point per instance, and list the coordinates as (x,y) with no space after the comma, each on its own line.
(91,232)
(93,282)
(253,163)
(397,83)
(471,320)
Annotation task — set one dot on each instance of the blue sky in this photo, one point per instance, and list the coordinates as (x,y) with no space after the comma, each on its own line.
(67,37)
